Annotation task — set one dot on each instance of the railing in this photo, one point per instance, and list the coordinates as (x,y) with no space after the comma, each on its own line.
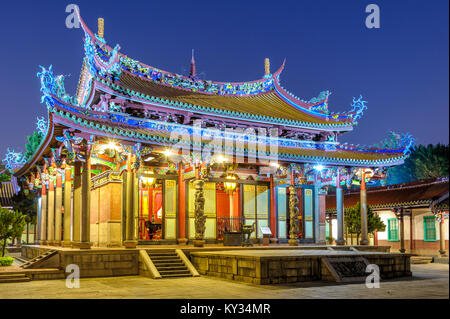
(228,224)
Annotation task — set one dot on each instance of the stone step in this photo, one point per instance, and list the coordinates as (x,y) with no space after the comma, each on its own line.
(165,260)
(176,275)
(157,265)
(12,275)
(421,260)
(172,267)
(14,278)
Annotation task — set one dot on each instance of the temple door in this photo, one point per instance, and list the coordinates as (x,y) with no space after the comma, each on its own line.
(308,212)
(262,208)
(170,209)
(250,207)
(282,211)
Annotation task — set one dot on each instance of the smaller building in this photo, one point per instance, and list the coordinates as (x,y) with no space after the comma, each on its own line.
(420,207)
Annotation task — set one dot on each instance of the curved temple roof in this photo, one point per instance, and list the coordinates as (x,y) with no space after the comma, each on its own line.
(260,100)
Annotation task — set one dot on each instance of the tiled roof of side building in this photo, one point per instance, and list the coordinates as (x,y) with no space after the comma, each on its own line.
(420,193)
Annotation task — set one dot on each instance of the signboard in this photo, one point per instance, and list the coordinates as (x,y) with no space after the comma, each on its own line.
(265,230)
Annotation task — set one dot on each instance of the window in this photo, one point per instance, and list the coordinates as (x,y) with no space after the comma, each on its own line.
(429,228)
(392,229)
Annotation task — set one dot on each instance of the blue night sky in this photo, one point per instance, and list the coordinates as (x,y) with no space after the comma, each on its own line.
(401,69)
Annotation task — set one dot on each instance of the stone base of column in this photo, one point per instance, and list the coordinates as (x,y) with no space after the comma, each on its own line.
(43,242)
(364,242)
(57,243)
(130,243)
(66,244)
(442,252)
(293,242)
(273,240)
(340,242)
(402,250)
(75,244)
(321,242)
(85,245)
(182,241)
(199,243)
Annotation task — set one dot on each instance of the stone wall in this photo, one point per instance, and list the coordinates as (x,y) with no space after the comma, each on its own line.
(274,270)
(102,263)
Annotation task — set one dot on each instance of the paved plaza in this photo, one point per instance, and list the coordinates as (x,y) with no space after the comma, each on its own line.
(428,281)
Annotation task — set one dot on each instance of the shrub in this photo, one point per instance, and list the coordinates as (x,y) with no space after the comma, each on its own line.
(6,261)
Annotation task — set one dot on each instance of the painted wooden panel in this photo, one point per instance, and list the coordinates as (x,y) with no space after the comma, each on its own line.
(249,201)
(308,213)
(281,211)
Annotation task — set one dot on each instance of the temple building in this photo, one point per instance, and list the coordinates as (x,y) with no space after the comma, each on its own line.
(143,156)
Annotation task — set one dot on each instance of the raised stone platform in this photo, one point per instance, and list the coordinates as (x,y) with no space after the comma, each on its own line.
(258,264)
(270,266)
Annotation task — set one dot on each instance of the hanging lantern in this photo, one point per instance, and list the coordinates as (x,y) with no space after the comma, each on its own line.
(230,186)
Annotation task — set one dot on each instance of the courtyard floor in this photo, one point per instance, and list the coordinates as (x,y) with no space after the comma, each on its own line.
(428,281)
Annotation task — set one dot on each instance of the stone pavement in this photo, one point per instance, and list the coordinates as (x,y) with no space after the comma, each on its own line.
(429,281)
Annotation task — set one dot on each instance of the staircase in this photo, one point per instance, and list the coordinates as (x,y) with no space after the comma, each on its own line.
(168,263)
(13,277)
(38,259)
(421,260)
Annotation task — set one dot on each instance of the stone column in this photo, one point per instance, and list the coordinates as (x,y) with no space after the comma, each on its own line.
(130,241)
(76,232)
(364,234)
(273,211)
(51,212)
(401,218)
(85,205)
(293,216)
(37,227)
(67,206)
(442,235)
(200,218)
(43,239)
(330,229)
(340,215)
(58,209)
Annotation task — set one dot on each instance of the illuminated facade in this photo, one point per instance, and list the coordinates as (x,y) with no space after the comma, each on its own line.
(141,155)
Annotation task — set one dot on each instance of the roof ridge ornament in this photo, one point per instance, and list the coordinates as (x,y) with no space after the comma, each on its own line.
(193,72)
(101,27)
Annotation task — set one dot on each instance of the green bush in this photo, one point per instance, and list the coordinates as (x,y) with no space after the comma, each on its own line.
(6,261)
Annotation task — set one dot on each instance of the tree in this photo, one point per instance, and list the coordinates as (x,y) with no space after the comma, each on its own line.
(12,224)
(353,221)
(424,162)
(5,176)
(33,143)
(25,202)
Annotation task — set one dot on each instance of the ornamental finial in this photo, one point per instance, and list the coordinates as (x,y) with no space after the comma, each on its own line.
(101,27)
(266,67)
(193,72)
